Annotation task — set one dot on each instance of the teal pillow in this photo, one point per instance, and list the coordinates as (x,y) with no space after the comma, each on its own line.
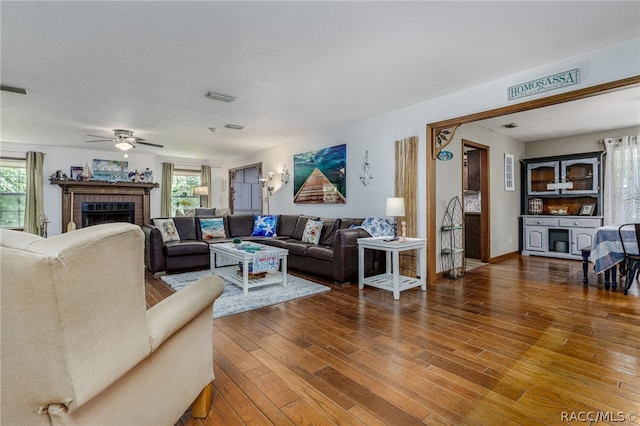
(212,228)
(264,226)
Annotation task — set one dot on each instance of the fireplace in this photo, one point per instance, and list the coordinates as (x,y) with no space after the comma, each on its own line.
(95,213)
(88,203)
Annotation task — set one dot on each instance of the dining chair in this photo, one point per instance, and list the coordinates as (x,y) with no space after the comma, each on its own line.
(630,266)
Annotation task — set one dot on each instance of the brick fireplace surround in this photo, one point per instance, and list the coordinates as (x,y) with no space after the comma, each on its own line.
(97,191)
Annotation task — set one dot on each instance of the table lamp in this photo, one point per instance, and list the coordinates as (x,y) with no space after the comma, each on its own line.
(200,190)
(395,209)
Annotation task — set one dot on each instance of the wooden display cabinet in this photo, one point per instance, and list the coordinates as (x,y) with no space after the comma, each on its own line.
(565,185)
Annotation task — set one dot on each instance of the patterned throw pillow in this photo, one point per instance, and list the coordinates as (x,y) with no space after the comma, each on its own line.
(378,226)
(212,228)
(312,232)
(264,226)
(167,229)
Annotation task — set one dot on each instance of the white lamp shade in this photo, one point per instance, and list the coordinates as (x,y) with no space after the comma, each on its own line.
(200,190)
(395,207)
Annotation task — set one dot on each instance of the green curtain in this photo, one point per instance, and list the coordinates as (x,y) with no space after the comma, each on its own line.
(205,180)
(34,204)
(167,183)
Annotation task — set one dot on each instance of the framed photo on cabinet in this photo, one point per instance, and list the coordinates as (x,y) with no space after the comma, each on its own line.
(588,209)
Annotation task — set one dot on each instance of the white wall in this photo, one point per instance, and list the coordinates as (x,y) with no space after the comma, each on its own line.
(57,158)
(588,142)
(377,135)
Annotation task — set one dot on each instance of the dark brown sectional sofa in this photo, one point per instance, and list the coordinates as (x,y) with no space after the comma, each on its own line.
(335,258)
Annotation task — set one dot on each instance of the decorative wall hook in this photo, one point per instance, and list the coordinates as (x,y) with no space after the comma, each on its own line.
(366,176)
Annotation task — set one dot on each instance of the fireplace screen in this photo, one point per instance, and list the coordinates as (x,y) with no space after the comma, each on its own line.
(95,213)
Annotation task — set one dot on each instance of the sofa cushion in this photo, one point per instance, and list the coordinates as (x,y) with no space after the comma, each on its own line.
(297,248)
(185,248)
(168,230)
(277,243)
(264,226)
(201,211)
(287,224)
(239,225)
(324,253)
(186,227)
(301,224)
(312,232)
(211,228)
(348,222)
(329,228)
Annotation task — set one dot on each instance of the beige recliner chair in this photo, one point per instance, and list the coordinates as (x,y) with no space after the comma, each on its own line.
(79,346)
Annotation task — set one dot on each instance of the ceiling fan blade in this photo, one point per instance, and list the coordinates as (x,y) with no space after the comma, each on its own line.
(150,144)
(102,140)
(96,136)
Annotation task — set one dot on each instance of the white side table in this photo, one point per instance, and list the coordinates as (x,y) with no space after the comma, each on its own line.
(392,280)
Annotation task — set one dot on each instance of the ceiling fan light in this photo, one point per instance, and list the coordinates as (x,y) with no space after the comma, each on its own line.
(125,146)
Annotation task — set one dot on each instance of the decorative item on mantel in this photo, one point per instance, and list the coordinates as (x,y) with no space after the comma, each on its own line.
(86,172)
(366,176)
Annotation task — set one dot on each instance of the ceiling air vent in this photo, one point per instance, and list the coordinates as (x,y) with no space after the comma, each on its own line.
(12,89)
(234,126)
(220,97)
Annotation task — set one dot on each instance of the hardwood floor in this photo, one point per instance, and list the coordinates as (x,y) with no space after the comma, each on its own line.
(516,342)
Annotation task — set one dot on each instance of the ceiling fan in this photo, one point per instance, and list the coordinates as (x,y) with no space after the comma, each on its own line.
(124,140)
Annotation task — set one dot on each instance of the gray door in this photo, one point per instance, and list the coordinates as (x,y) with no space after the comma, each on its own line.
(247,191)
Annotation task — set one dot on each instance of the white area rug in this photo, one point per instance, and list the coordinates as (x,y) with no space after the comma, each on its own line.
(232,301)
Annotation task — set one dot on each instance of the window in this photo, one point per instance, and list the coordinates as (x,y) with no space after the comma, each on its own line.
(13,185)
(183,202)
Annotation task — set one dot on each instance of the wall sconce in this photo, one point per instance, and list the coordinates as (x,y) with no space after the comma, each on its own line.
(366,177)
(284,178)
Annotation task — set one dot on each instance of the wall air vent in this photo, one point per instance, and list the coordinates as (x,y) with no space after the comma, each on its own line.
(220,97)
(234,126)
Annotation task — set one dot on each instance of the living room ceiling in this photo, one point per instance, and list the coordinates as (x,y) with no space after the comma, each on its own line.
(295,68)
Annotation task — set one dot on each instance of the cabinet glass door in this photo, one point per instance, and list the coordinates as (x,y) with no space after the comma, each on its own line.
(539,175)
(583,174)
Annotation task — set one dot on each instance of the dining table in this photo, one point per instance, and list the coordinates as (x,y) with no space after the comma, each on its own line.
(607,252)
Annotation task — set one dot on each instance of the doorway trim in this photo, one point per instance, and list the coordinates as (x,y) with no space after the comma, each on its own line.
(485,197)
(435,129)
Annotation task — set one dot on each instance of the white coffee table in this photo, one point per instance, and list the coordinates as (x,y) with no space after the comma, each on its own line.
(392,280)
(229,250)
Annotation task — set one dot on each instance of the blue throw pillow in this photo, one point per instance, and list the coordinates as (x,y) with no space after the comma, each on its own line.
(212,228)
(378,226)
(264,226)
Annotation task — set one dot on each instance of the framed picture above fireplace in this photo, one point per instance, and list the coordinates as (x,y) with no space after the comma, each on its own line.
(111,170)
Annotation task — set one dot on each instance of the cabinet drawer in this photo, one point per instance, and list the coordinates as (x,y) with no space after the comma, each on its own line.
(541,221)
(581,223)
